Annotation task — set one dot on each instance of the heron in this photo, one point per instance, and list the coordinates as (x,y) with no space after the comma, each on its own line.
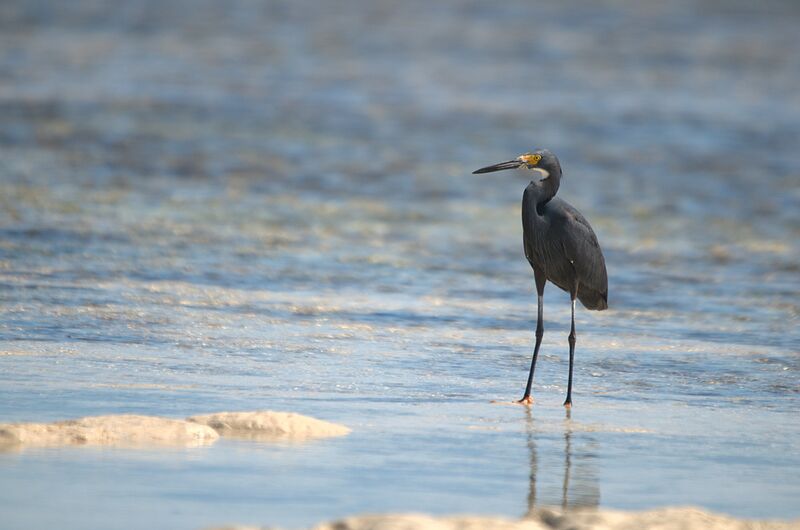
(560,246)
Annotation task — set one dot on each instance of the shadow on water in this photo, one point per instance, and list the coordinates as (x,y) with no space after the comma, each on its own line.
(579,485)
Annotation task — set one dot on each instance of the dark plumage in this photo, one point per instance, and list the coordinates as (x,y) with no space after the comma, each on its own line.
(560,246)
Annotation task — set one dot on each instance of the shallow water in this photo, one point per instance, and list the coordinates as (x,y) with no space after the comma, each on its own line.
(270,206)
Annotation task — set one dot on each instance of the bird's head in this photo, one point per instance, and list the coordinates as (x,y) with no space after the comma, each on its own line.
(539,164)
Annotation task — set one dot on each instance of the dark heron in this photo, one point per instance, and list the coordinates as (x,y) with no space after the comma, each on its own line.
(559,244)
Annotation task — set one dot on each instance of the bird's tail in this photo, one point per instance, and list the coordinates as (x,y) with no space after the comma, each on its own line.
(592,299)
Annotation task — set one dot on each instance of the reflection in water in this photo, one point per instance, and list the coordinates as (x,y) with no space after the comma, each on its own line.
(579,483)
(567,459)
(534,462)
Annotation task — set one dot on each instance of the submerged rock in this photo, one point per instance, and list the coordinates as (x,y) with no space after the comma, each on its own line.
(115,430)
(270,426)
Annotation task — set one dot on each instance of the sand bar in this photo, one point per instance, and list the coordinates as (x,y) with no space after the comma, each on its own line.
(270,426)
(126,430)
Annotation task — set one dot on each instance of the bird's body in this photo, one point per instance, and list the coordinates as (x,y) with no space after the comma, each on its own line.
(560,246)
(559,241)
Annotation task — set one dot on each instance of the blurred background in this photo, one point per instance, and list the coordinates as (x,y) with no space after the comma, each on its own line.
(267,204)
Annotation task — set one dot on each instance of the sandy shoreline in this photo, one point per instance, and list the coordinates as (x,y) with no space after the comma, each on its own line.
(673,518)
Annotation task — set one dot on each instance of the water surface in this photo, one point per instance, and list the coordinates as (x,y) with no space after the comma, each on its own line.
(210,207)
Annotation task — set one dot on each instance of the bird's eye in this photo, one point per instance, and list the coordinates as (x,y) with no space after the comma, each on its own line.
(536,158)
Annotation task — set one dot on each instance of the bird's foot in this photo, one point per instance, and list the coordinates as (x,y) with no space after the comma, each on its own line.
(568,404)
(527,400)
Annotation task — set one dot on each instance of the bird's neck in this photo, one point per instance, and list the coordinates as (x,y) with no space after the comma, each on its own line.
(545,190)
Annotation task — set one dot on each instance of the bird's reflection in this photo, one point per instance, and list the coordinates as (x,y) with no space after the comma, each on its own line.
(534,469)
(579,484)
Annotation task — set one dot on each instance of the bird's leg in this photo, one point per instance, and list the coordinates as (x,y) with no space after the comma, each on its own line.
(571,338)
(526,399)
(540,281)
